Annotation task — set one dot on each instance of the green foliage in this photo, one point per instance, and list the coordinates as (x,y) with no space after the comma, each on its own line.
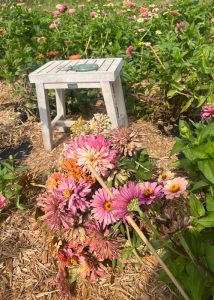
(177,66)
(10,186)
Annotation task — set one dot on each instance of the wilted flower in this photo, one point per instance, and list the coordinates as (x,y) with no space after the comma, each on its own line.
(72,11)
(144,11)
(56,214)
(93,150)
(158,32)
(126,195)
(126,140)
(52,54)
(100,124)
(40,56)
(68,42)
(75,192)
(93,14)
(102,205)
(141,30)
(147,44)
(53,26)
(91,267)
(40,39)
(61,7)
(175,188)
(2,31)
(129,51)
(80,127)
(151,192)
(3,201)
(207,111)
(165,175)
(102,246)
(130,4)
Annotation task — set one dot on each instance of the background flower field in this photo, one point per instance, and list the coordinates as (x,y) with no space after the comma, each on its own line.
(64,231)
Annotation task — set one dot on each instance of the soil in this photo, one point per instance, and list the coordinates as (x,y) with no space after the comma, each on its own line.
(27,270)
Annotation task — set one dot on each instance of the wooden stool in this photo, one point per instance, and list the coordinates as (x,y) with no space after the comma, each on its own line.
(59,75)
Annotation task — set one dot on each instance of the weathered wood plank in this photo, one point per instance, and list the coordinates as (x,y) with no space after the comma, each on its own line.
(119,99)
(107,63)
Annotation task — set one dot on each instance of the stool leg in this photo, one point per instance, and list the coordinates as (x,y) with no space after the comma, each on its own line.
(108,95)
(44,112)
(60,106)
(118,91)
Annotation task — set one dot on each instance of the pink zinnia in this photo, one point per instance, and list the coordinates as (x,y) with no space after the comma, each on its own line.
(94,150)
(55,13)
(61,7)
(129,51)
(75,193)
(180,25)
(3,201)
(72,11)
(93,14)
(151,191)
(127,193)
(102,205)
(144,11)
(53,26)
(207,111)
(175,188)
(130,4)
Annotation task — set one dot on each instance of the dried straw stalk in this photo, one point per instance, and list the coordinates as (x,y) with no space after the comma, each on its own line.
(142,236)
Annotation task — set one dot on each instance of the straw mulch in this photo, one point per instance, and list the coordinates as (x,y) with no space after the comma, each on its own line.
(27,271)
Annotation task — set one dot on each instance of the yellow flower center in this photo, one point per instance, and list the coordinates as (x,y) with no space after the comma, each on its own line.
(67,193)
(91,157)
(107,205)
(54,183)
(174,188)
(148,191)
(74,260)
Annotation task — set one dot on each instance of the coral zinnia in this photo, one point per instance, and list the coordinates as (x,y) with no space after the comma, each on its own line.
(56,213)
(102,205)
(53,181)
(75,193)
(94,150)
(175,187)
(126,195)
(151,191)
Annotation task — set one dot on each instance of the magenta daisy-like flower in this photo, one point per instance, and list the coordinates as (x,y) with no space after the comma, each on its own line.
(207,111)
(55,211)
(175,188)
(75,192)
(93,150)
(102,205)
(129,192)
(3,201)
(151,191)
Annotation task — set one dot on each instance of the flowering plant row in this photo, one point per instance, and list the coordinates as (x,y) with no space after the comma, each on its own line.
(167,50)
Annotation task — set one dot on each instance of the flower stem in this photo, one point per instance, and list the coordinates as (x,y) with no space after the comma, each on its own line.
(157,57)
(147,221)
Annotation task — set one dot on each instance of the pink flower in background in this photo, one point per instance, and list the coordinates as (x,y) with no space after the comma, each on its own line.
(174,188)
(61,7)
(75,193)
(207,111)
(180,25)
(130,4)
(118,13)
(72,11)
(130,191)
(129,51)
(3,201)
(144,11)
(56,13)
(93,14)
(53,26)
(151,191)
(102,205)
(93,150)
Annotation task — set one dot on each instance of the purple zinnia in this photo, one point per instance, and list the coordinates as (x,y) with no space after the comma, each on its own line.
(150,192)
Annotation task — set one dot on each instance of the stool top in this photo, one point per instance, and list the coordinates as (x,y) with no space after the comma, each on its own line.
(57,71)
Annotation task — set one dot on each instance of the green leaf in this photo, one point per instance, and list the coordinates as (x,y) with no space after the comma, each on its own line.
(171,93)
(206,132)
(197,208)
(187,105)
(207,168)
(210,202)
(207,221)
(200,185)
(178,146)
